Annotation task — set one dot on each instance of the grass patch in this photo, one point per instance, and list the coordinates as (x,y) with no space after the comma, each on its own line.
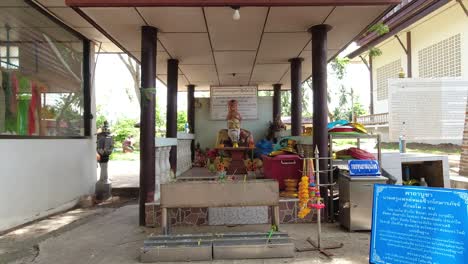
(119,155)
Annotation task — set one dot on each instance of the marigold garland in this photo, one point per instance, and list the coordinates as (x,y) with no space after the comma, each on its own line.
(303,197)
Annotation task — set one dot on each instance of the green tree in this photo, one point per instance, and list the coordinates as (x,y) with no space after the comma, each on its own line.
(181,120)
(100,121)
(123,128)
(348,105)
(285,103)
(160,122)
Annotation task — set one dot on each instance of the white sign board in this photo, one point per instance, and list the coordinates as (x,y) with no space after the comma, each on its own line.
(246,97)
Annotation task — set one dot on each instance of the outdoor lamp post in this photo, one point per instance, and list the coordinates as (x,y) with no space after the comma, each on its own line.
(105,145)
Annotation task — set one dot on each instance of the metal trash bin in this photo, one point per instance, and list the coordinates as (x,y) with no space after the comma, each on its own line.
(356,199)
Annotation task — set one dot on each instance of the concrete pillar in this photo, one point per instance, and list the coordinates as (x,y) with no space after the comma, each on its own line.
(296,96)
(191,114)
(171,114)
(276,101)
(149,36)
(320,119)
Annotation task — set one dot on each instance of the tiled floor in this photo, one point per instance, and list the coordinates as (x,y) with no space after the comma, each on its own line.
(116,238)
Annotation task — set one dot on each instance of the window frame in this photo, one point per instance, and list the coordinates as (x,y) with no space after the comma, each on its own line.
(86,69)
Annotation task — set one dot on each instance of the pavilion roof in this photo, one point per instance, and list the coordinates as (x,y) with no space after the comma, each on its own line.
(214,49)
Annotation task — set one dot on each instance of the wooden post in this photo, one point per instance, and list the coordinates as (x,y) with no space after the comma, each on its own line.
(191,114)
(296,96)
(320,119)
(171,114)
(409,55)
(149,36)
(371,79)
(276,101)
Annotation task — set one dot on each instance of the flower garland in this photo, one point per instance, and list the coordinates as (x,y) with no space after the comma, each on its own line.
(304,210)
(309,193)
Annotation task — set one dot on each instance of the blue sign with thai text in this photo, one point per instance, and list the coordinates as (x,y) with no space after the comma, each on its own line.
(421,225)
(363,168)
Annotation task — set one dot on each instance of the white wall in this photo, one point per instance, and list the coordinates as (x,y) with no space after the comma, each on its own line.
(449,21)
(433,110)
(391,51)
(206,130)
(40,176)
(440,25)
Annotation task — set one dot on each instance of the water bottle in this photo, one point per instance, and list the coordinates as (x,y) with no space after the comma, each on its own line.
(402,140)
(422,182)
(187,130)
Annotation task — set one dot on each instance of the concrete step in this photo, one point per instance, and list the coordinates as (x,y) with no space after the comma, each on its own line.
(199,247)
(459,182)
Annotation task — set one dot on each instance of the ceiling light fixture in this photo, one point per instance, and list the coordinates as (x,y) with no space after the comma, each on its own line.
(236,15)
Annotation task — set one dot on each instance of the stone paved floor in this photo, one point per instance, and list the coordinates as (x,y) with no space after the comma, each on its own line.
(123,173)
(115,237)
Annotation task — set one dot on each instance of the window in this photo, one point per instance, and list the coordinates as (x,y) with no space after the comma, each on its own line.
(41,79)
(388,71)
(9,57)
(265,93)
(442,59)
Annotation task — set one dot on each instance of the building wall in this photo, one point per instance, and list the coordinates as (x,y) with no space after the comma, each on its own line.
(442,24)
(206,130)
(39,177)
(464,150)
(433,111)
(391,51)
(448,22)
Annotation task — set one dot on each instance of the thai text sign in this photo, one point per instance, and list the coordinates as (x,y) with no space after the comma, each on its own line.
(412,224)
(363,167)
(246,97)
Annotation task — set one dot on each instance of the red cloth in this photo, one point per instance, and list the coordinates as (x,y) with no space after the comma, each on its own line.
(360,154)
(32,109)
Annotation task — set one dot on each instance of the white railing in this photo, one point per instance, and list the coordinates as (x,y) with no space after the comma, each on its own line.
(184,152)
(377,119)
(163,166)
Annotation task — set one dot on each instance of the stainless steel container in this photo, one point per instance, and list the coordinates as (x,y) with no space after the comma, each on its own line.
(356,196)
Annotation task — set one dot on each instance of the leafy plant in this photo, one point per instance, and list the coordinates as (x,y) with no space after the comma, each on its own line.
(374,52)
(100,121)
(181,120)
(379,29)
(339,66)
(123,128)
(346,109)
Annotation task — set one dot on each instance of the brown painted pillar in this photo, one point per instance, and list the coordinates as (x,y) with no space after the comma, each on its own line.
(171,114)
(276,101)
(191,115)
(371,79)
(320,119)
(149,36)
(296,96)
(409,55)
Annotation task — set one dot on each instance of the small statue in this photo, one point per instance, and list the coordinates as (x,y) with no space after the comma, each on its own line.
(234,123)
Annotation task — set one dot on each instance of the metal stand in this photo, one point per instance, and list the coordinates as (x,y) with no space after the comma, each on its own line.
(318,245)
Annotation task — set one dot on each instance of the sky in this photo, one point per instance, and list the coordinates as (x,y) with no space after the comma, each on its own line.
(112,80)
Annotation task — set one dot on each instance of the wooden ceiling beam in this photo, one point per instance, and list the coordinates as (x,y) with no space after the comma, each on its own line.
(206,3)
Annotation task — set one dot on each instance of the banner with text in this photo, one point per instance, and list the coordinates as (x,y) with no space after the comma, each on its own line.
(245,95)
(412,224)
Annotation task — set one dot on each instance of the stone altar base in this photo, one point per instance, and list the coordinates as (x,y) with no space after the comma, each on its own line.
(223,216)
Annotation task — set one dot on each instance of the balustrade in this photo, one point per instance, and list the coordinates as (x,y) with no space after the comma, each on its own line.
(163,167)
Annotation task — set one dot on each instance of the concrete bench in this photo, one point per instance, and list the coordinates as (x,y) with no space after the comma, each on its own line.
(196,194)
